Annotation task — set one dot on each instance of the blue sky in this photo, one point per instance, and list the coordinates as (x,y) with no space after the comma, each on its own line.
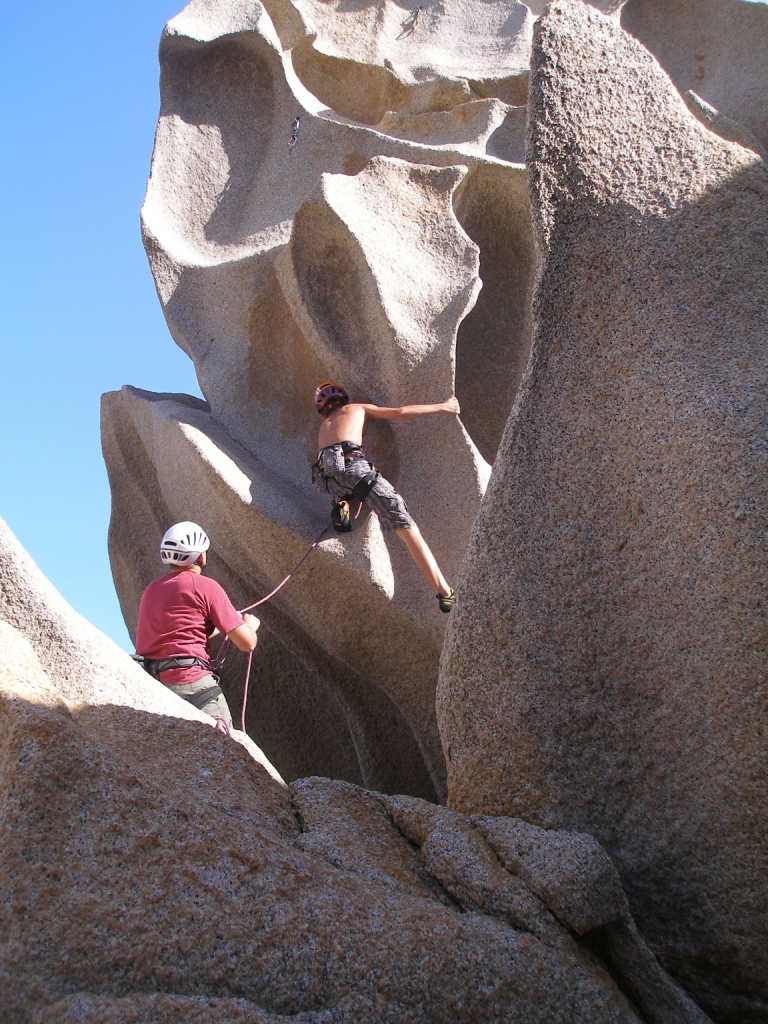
(79,94)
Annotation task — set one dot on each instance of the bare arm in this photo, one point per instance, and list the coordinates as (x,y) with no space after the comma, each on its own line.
(244,637)
(412,412)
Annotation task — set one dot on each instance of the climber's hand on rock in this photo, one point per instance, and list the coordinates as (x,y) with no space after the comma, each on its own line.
(452,406)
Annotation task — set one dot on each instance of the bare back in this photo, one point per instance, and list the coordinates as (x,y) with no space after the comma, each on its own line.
(344,424)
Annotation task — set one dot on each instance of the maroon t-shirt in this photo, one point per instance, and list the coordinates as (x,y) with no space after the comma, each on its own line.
(177,615)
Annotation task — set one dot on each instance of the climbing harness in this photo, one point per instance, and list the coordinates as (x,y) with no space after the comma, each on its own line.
(158,665)
(294,132)
(333,458)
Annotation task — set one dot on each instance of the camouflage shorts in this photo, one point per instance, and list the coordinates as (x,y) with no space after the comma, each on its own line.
(383,499)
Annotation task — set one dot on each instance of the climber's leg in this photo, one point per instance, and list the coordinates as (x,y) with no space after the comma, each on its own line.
(423,557)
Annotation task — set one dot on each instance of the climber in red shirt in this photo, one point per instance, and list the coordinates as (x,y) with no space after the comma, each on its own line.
(179,613)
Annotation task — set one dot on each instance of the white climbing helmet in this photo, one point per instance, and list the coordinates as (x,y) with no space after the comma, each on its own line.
(183,544)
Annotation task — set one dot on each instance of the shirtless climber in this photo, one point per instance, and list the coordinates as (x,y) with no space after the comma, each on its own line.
(344,470)
(179,613)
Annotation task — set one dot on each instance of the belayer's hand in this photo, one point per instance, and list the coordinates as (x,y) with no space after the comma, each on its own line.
(252,621)
(452,406)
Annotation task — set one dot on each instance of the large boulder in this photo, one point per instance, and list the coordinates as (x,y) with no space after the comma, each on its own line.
(604,671)
(153,870)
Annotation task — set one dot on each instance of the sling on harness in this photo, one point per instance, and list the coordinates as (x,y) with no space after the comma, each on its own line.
(341,516)
(203,697)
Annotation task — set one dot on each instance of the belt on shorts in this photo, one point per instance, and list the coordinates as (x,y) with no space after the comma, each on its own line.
(349,449)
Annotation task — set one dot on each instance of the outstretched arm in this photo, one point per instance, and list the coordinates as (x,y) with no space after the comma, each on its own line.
(412,412)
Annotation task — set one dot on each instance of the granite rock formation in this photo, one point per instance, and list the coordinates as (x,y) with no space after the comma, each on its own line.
(153,870)
(85,666)
(605,671)
(364,711)
(338,190)
(716,48)
(357,253)
(330,187)
(372,58)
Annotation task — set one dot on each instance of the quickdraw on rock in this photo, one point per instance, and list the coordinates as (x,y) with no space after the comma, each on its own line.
(294,132)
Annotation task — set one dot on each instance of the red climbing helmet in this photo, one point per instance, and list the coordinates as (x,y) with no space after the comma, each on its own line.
(329,392)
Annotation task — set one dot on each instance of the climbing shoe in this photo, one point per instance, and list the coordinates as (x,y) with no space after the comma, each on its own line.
(446,603)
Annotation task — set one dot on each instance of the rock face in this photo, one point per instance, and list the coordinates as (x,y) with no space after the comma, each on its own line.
(224,197)
(717,48)
(356,253)
(721,125)
(365,712)
(605,671)
(84,665)
(367,60)
(338,191)
(152,870)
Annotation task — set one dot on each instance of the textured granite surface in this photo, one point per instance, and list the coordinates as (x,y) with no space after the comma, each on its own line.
(394,256)
(343,680)
(717,48)
(605,671)
(153,871)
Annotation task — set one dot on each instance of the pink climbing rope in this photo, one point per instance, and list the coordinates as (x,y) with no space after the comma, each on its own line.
(306,555)
(224,649)
(245,691)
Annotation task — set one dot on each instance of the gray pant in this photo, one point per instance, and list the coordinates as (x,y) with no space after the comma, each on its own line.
(217,707)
